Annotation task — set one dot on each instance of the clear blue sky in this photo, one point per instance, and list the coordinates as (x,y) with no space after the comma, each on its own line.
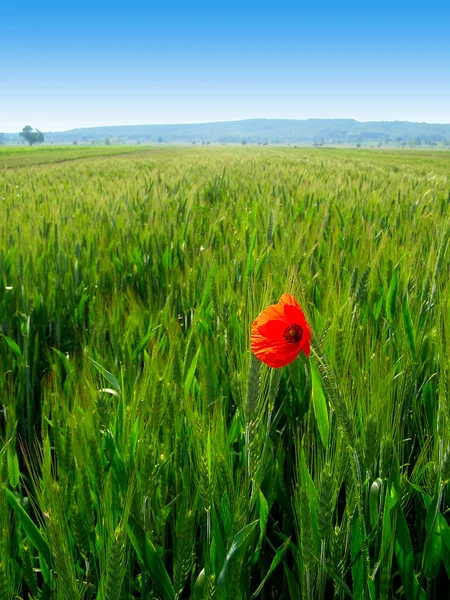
(73,64)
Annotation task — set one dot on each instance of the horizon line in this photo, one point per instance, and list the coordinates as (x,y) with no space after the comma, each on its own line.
(233,121)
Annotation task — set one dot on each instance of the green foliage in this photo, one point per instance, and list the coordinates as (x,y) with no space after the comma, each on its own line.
(144,453)
(32,136)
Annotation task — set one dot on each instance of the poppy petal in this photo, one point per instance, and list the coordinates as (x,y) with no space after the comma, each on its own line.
(273,329)
(271,313)
(288,300)
(294,314)
(275,354)
(306,349)
(305,344)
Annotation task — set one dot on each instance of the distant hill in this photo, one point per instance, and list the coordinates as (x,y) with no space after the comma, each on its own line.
(263,131)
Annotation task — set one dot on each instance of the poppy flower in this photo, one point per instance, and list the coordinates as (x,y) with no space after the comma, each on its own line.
(280,333)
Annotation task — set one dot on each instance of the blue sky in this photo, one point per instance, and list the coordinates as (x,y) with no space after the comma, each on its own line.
(65,65)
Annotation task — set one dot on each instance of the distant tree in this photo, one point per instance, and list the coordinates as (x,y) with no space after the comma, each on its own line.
(244,142)
(32,136)
(160,140)
(415,142)
(2,138)
(75,142)
(358,145)
(107,141)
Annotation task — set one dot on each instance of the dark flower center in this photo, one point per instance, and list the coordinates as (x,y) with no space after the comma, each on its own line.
(293,333)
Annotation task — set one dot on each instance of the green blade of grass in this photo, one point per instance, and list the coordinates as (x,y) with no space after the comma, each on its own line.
(320,405)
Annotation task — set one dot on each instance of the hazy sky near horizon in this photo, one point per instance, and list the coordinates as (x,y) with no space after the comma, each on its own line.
(82,64)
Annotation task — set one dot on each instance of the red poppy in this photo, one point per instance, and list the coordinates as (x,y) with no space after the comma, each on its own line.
(280,333)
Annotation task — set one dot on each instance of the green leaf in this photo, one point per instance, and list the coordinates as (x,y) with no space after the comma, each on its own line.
(225,513)
(409,327)
(13,467)
(14,347)
(428,401)
(220,550)
(190,375)
(143,343)
(65,361)
(374,502)
(294,588)
(445,534)
(274,564)
(238,541)
(341,583)
(371,589)
(432,554)
(356,546)
(405,560)
(391,298)
(150,560)
(306,480)
(320,406)
(109,376)
(263,517)
(206,294)
(250,256)
(133,441)
(32,532)
(199,586)
(113,455)
(388,527)
(377,306)
(260,264)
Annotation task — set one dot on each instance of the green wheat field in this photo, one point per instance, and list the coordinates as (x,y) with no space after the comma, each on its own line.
(144,453)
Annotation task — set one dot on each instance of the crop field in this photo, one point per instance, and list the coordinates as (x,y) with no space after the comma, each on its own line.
(145,452)
(17,156)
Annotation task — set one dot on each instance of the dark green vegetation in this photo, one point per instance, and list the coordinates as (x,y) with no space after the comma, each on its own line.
(145,454)
(32,136)
(266,131)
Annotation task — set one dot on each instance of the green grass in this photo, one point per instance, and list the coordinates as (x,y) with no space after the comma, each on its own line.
(146,454)
(14,157)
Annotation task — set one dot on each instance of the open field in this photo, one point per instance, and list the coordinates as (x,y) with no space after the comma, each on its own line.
(144,453)
(13,156)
